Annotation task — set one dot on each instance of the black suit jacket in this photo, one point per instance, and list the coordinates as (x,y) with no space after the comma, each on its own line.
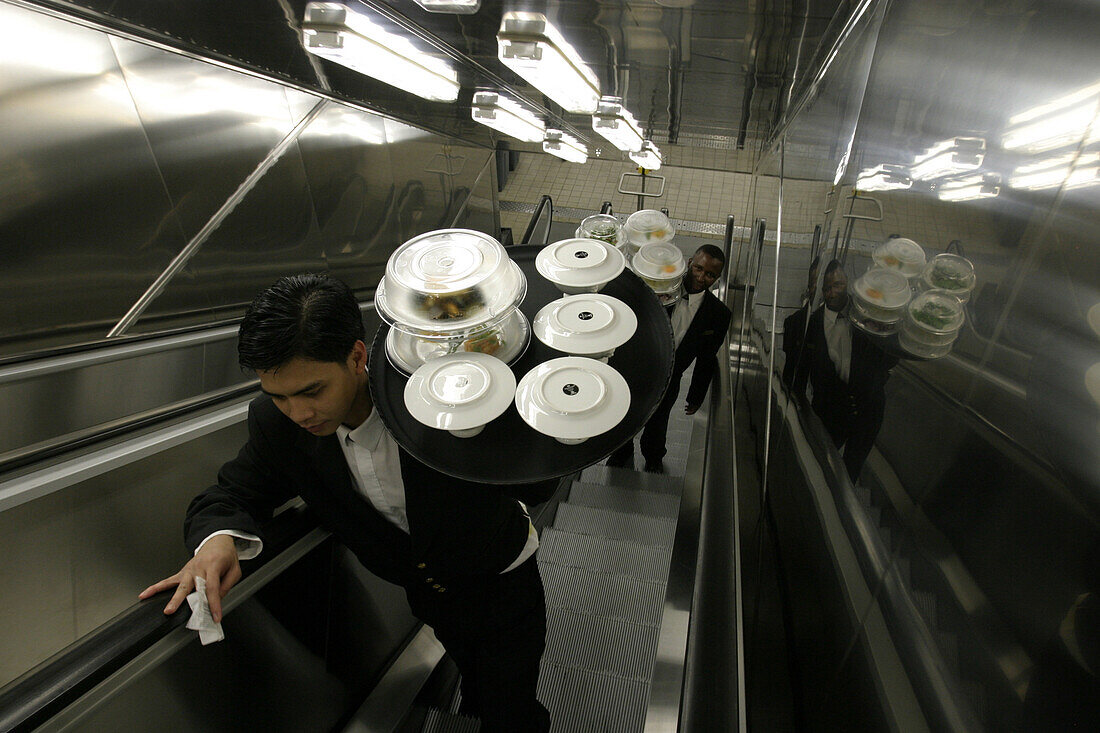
(460,533)
(700,345)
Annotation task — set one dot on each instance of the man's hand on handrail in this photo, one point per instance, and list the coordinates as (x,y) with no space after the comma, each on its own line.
(217,562)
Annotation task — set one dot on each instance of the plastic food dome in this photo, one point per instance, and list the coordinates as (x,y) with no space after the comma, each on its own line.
(648,226)
(949,272)
(579,265)
(661,266)
(505,338)
(879,297)
(572,398)
(931,325)
(448,281)
(460,392)
(603,227)
(591,325)
(901,254)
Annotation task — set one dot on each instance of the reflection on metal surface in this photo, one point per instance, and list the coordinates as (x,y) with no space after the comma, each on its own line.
(649,157)
(564,146)
(1063,122)
(613,122)
(949,157)
(969,188)
(506,115)
(884,177)
(530,45)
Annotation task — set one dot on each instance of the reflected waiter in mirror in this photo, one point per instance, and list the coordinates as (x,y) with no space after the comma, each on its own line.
(794,326)
(463,552)
(699,323)
(847,372)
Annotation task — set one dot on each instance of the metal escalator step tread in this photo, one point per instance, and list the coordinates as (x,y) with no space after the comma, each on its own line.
(582,701)
(438,721)
(604,555)
(636,501)
(949,647)
(975,695)
(615,525)
(603,594)
(629,479)
(904,570)
(926,604)
(600,644)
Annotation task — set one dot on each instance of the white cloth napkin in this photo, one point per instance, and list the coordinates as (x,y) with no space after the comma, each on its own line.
(200,620)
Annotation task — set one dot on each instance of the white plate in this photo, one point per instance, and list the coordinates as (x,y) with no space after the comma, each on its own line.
(572,398)
(590,324)
(579,265)
(460,392)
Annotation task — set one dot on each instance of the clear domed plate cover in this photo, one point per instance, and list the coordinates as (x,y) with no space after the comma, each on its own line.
(460,391)
(603,227)
(506,339)
(901,254)
(660,265)
(585,324)
(883,288)
(647,226)
(448,280)
(572,398)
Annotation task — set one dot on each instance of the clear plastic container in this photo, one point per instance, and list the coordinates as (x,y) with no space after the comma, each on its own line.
(648,226)
(506,338)
(921,349)
(949,272)
(603,227)
(580,265)
(661,266)
(882,293)
(934,317)
(901,254)
(874,324)
(448,281)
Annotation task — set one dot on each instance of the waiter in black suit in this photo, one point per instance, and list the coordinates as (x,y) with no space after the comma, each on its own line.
(464,553)
(847,372)
(794,326)
(699,323)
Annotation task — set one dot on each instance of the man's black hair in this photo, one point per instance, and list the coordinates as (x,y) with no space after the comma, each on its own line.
(711,251)
(832,267)
(311,316)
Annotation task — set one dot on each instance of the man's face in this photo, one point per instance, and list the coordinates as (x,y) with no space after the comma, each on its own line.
(834,289)
(702,272)
(319,396)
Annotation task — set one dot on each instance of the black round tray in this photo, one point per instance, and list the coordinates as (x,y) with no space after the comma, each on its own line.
(508,451)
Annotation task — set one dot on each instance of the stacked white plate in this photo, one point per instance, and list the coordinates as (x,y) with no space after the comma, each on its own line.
(591,325)
(572,399)
(579,265)
(460,393)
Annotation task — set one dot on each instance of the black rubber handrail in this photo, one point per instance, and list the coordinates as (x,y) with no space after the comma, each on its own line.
(45,691)
(544,203)
(606,208)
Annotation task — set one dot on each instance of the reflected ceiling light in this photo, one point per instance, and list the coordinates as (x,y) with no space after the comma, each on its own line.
(565,146)
(458,7)
(649,157)
(341,122)
(340,34)
(1059,171)
(968,188)
(1055,124)
(615,124)
(532,47)
(507,116)
(884,177)
(957,155)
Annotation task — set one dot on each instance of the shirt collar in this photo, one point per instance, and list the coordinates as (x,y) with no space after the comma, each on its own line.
(367,435)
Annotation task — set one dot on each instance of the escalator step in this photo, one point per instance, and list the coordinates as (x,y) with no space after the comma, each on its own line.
(600,644)
(604,555)
(615,525)
(438,721)
(601,594)
(635,501)
(629,479)
(975,695)
(949,646)
(581,701)
(926,604)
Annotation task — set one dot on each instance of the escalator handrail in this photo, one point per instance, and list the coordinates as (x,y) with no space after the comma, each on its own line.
(607,209)
(43,692)
(544,203)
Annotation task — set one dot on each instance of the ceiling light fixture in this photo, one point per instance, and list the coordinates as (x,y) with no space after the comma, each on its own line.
(957,155)
(968,188)
(885,177)
(615,124)
(458,7)
(649,157)
(507,116)
(565,146)
(531,46)
(340,34)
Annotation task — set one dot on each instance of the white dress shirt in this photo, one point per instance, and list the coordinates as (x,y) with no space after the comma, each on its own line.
(838,336)
(683,314)
(375,467)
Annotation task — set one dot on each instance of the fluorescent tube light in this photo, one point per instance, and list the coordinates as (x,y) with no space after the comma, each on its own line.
(507,116)
(532,47)
(884,177)
(1058,171)
(1056,124)
(968,188)
(649,157)
(340,34)
(615,124)
(458,7)
(957,155)
(565,146)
